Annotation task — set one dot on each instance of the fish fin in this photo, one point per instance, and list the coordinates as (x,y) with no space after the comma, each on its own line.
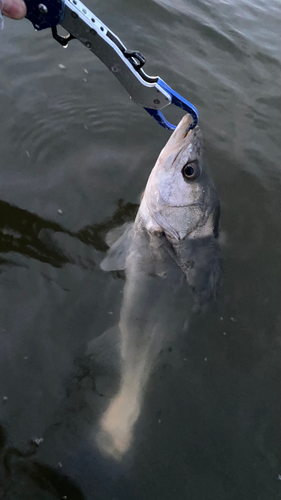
(114,234)
(105,347)
(104,353)
(200,261)
(207,280)
(223,239)
(119,240)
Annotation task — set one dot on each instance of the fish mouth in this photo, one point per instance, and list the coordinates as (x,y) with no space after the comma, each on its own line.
(184,128)
(185,122)
(180,138)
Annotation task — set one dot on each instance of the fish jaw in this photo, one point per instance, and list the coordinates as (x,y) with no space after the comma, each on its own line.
(175,141)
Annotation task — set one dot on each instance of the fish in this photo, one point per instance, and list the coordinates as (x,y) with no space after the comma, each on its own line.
(173,268)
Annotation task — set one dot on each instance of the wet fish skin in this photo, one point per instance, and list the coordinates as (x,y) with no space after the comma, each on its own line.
(172,260)
(183,214)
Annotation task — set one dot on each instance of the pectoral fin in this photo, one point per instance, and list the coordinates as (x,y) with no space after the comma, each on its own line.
(119,240)
(104,353)
(200,261)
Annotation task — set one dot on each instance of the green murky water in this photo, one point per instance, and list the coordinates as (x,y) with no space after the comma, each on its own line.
(73,142)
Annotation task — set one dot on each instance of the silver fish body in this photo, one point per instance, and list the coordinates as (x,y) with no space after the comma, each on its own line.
(172,261)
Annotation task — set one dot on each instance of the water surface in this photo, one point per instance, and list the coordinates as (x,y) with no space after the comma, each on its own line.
(75,155)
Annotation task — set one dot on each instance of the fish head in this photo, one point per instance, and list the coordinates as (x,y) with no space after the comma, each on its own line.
(180,195)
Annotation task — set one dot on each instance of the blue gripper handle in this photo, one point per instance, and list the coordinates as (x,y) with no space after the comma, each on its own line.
(178,101)
(44,14)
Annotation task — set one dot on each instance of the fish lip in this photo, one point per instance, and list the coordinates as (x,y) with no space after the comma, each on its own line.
(183,129)
(190,130)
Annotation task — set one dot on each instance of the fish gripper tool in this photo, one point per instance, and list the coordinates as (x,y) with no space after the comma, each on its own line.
(150,92)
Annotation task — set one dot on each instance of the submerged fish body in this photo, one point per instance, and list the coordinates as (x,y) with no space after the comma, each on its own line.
(172,260)
(179,211)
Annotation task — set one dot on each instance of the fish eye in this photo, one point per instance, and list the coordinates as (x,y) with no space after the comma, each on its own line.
(191,171)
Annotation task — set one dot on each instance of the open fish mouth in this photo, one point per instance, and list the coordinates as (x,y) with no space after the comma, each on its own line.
(184,125)
(181,138)
(191,131)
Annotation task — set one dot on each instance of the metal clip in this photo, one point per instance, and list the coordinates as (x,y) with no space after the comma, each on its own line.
(136,58)
(178,101)
(150,92)
(63,40)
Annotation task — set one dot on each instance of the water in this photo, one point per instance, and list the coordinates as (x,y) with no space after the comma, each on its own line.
(75,156)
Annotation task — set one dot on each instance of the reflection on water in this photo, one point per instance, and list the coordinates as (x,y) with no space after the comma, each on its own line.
(30,235)
(31,475)
(27,234)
